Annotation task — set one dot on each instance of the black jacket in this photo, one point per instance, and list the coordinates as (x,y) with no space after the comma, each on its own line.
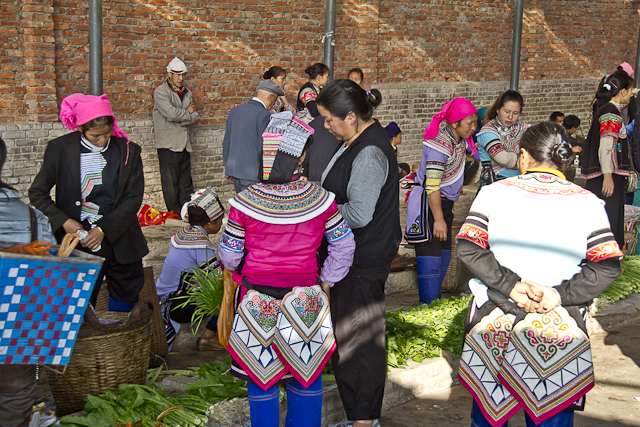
(61,168)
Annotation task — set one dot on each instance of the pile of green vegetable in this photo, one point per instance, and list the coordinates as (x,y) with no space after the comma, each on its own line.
(421,332)
(627,283)
(148,406)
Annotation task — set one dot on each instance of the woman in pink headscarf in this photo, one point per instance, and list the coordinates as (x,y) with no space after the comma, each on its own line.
(99,184)
(438,183)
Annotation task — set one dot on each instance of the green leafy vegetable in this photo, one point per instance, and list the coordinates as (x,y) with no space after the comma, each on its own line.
(627,283)
(205,291)
(421,332)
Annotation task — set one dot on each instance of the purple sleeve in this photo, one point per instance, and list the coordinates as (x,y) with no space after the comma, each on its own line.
(342,246)
(231,246)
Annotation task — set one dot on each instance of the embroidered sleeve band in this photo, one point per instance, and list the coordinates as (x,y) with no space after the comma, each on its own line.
(475,229)
(602,245)
(308,94)
(433,176)
(336,228)
(611,125)
(233,237)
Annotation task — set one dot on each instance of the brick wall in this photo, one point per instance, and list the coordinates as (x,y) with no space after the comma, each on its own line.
(411,105)
(419,53)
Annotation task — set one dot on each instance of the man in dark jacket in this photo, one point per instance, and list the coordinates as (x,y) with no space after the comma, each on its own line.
(242,144)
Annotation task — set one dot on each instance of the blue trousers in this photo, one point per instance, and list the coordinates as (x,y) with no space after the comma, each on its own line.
(562,419)
(304,405)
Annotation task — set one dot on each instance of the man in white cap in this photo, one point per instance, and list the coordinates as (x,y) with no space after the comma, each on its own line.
(173,112)
(242,144)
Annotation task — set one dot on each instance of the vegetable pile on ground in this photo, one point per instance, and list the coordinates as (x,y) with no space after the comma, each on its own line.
(421,332)
(627,283)
(148,406)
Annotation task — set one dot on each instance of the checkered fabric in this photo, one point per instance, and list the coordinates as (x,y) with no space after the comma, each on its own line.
(41,307)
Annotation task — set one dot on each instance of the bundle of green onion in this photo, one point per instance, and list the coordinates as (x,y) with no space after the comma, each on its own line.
(205,292)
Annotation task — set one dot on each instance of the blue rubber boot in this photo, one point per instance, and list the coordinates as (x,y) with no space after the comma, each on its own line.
(444,266)
(428,278)
(124,307)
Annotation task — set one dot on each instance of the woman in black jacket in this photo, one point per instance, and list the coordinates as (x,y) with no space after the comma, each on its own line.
(99,184)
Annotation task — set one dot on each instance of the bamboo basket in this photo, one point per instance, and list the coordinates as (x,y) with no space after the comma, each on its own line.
(99,364)
(158,338)
(457,270)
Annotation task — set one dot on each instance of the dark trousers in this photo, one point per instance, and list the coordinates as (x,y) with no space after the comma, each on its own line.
(17,394)
(360,360)
(614,205)
(175,176)
(434,247)
(242,184)
(124,281)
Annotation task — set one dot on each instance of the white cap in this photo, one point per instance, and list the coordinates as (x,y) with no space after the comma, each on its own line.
(176,66)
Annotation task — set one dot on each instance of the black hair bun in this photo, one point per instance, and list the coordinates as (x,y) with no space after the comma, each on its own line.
(374,97)
(562,153)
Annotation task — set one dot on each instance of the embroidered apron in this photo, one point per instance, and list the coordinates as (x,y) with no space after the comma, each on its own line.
(542,364)
(272,337)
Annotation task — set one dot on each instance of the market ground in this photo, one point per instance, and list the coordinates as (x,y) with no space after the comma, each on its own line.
(614,402)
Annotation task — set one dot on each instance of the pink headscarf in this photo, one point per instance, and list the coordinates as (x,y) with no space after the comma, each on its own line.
(452,111)
(78,109)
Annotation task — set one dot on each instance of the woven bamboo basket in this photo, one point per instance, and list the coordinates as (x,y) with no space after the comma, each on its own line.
(99,364)
(158,338)
(457,271)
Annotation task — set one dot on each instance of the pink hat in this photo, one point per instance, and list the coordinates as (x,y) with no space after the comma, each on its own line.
(625,66)
(452,111)
(78,109)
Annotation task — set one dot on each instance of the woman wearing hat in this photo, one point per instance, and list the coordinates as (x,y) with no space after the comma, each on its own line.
(282,332)
(440,178)
(99,184)
(190,249)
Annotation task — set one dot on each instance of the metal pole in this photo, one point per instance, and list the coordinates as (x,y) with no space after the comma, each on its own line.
(636,70)
(517,44)
(330,28)
(95,47)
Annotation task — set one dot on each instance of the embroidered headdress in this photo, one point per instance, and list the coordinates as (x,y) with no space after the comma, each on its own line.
(208,200)
(283,143)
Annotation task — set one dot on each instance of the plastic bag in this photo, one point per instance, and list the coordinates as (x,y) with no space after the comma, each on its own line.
(227,310)
(149,215)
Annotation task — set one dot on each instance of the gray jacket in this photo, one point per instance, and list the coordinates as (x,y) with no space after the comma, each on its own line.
(242,144)
(15,220)
(171,118)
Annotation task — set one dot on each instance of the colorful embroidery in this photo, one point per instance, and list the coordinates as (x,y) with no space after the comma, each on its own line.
(91,167)
(192,237)
(304,340)
(611,125)
(547,366)
(474,234)
(233,237)
(482,356)
(448,172)
(272,338)
(308,94)
(494,147)
(336,227)
(290,203)
(508,139)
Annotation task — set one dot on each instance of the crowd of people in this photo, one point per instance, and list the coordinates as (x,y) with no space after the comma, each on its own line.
(315,225)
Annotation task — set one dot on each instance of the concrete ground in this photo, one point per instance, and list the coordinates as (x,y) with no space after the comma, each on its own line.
(614,402)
